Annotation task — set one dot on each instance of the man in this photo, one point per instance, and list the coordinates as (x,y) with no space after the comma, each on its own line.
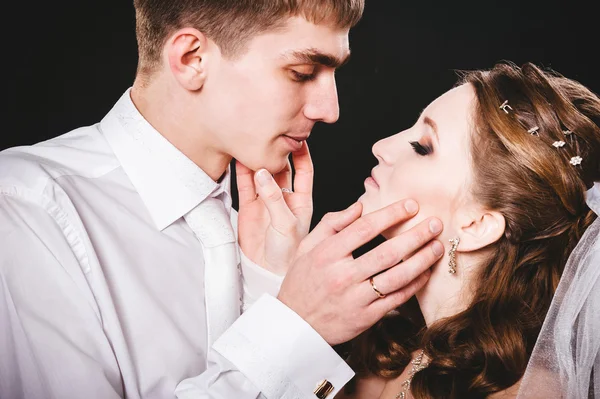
(120,274)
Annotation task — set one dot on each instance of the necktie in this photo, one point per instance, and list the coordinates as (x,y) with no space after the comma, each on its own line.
(211,224)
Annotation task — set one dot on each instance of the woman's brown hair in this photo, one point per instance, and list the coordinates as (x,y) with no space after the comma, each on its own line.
(485,349)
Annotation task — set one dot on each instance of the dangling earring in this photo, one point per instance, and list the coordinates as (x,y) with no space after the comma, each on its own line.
(452,253)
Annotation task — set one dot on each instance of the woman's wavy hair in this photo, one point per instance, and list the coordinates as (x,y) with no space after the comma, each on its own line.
(485,349)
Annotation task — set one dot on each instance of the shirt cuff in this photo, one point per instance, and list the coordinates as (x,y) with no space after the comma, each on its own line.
(257,281)
(281,353)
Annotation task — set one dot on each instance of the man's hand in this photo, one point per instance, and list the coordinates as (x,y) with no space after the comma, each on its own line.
(331,290)
(272,223)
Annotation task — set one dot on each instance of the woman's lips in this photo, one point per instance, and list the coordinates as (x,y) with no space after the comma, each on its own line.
(370,181)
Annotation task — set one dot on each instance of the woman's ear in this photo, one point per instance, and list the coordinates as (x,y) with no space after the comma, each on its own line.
(480,229)
(187,53)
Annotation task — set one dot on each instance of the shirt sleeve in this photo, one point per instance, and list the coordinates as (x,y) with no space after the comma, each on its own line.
(257,281)
(52,343)
(276,351)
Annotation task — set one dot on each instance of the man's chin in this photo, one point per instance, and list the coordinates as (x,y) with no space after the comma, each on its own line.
(273,165)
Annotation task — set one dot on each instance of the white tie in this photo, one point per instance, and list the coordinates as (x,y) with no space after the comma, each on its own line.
(212,226)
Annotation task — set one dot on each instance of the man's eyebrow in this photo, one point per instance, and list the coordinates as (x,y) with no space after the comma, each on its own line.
(313,56)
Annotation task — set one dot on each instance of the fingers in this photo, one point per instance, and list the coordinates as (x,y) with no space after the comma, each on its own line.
(401,276)
(331,224)
(369,226)
(303,166)
(382,306)
(282,219)
(392,251)
(245,183)
(301,202)
(284,177)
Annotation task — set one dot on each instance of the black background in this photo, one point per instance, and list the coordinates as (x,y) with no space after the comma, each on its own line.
(68,69)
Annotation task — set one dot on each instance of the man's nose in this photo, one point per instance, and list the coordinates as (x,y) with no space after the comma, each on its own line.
(322,102)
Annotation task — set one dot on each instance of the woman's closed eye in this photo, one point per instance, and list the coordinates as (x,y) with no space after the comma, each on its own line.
(420,148)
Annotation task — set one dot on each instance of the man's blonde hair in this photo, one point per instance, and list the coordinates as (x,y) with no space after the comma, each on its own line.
(229,23)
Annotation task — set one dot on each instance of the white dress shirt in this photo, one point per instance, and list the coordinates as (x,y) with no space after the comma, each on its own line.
(102,280)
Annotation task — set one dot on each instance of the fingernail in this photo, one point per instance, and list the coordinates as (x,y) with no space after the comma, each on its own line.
(411,206)
(264,177)
(437,248)
(435,226)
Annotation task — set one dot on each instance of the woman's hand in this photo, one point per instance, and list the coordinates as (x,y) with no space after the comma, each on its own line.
(272,222)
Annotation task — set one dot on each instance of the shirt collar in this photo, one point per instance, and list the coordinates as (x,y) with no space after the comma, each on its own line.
(169,183)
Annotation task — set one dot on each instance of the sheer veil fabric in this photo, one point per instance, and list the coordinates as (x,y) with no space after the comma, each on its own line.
(565,362)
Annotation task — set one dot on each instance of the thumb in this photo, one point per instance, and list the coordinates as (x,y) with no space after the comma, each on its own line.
(282,218)
(331,224)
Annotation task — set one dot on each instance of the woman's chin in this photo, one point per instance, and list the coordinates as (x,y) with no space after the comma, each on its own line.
(367,206)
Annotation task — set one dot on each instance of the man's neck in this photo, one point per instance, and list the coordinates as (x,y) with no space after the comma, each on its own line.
(168,113)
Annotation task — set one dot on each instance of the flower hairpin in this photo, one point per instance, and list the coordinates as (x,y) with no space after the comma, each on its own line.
(576,160)
(559,144)
(534,131)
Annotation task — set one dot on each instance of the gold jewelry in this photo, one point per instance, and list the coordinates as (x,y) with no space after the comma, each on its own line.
(452,253)
(323,389)
(379,293)
(416,367)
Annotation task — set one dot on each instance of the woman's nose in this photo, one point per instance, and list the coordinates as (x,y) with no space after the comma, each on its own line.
(383,150)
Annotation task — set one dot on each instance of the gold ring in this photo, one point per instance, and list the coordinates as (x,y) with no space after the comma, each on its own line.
(379,293)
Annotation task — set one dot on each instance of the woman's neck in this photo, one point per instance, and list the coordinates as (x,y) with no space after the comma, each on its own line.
(445,294)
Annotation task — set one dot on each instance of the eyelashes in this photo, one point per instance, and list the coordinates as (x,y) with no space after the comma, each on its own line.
(421,149)
(302,77)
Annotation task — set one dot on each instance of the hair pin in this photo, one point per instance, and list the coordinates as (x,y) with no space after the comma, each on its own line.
(534,131)
(567,132)
(559,144)
(505,107)
(576,160)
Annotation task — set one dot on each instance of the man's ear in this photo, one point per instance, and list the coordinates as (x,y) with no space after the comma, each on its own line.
(480,229)
(187,53)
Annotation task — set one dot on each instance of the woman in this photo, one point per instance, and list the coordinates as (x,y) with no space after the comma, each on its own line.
(504,160)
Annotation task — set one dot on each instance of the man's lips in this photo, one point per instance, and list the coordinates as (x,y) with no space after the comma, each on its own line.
(298,137)
(294,142)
